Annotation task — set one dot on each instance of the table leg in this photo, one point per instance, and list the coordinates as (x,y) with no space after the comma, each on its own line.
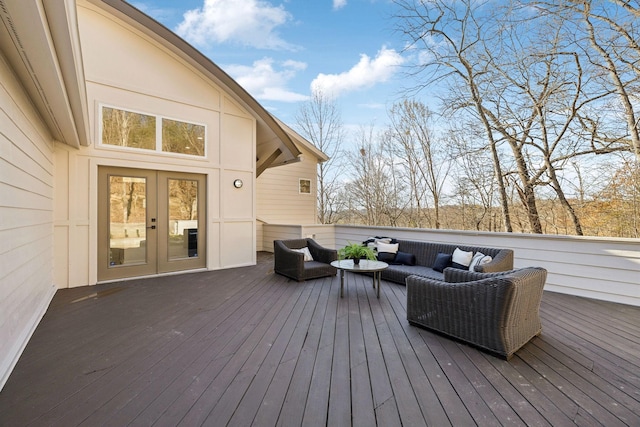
(341,283)
(379,273)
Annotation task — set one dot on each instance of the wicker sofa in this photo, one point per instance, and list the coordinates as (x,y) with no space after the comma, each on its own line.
(496,312)
(291,264)
(425,255)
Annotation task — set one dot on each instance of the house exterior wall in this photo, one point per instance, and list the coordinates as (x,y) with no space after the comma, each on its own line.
(278,198)
(126,69)
(26,219)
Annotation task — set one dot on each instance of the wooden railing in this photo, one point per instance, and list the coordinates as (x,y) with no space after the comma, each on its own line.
(593,267)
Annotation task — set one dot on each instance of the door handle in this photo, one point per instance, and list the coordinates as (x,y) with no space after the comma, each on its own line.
(153,227)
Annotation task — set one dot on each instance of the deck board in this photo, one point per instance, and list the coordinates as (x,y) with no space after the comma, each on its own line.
(245,347)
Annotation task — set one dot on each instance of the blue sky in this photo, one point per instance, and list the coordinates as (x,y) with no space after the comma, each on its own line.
(280,50)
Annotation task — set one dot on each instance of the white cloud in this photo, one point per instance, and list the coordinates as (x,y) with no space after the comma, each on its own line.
(265,82)
(339,4)
(247,22)
(366,73)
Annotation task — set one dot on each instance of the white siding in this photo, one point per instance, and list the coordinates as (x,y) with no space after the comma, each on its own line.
(278,197)
(271,232)
(129,70)
(26,220)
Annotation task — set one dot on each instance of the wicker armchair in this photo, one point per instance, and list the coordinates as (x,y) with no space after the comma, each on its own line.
(291,264)
(496,312)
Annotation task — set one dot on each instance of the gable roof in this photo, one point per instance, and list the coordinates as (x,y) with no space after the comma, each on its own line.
(43,48)
(274,146)
(302,141)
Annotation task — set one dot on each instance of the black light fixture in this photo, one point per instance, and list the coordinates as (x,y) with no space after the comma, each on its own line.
(237,183)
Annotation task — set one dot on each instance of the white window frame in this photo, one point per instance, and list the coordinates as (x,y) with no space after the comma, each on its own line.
(158,150)
(300,185)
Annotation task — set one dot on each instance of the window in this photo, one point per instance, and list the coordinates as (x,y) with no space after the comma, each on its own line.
(305,186)
(182,137)
(148,132)
(128,129)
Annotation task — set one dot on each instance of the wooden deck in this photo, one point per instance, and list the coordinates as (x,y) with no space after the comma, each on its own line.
(246,347)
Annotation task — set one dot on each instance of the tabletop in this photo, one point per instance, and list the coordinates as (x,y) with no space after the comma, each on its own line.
(365,266)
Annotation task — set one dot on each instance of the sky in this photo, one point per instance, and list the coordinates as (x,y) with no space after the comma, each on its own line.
(280,51)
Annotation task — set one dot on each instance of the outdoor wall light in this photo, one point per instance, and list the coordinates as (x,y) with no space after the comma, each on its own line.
(237,183)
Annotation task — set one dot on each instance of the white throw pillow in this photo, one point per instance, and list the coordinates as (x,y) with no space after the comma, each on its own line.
(387,247)
(478,259)
(305,252)
(475,261)
(485,260)
(383,240)
(462,257)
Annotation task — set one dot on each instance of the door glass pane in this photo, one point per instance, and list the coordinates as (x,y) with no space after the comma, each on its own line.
(127,220)
(183,218)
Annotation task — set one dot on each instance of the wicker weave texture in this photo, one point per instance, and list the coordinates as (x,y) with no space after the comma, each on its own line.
(291,264)
(498,312)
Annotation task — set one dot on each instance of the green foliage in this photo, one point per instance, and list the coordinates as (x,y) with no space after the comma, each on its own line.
(356,251)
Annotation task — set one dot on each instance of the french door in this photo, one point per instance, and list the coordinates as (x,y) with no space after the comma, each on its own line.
(149,222)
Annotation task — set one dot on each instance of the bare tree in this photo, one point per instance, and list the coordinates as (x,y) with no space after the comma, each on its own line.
(453,34)
(608,32)
(542,92)
(474,181)
(376,190)
(620,199)
(528,84)
(320,121)
(422,154)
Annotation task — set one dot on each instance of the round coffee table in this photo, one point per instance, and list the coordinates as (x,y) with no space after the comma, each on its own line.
(365,266)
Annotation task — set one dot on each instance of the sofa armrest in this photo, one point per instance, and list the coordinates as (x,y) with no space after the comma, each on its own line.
(320,253)
(502,261)
(288,262)
(457,275)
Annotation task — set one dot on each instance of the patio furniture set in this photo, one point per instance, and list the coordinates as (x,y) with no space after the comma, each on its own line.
(472,294)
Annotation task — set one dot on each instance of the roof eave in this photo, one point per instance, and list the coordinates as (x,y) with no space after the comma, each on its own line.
(41,43)
(319,154)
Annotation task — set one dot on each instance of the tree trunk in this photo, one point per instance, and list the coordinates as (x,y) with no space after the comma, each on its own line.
(504,201)
(528,187)
(555,184)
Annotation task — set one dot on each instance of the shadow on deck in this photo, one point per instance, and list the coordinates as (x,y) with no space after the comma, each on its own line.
(248,347)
